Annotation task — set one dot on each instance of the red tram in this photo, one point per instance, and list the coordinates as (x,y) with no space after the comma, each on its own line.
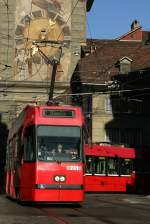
(109,169)
(45,155)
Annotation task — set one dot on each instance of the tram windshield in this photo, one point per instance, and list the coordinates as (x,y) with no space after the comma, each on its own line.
(59,143)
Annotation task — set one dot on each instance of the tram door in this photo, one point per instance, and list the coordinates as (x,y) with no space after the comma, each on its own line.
(100,165)
(96,165)
(90,165)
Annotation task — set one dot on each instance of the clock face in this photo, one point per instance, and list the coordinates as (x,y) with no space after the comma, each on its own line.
(40,20)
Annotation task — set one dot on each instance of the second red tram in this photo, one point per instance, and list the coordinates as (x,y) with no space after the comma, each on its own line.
(45,157)
(109,168)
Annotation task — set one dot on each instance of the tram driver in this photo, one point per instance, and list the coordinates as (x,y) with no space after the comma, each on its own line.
(60,151)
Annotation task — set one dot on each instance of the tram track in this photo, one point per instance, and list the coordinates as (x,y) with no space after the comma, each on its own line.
(122,205)
(78,215)
(53,216)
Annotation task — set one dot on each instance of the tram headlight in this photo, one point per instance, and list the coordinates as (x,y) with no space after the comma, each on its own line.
(62,178)
(57,178)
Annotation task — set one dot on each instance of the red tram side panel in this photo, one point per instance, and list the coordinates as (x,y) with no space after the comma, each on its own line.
(109,169)
(45,155)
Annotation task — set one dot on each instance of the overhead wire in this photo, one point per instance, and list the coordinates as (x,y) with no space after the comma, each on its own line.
(96,93)
(105,92)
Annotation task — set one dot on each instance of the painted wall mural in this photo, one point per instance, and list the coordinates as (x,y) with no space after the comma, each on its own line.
(41,20)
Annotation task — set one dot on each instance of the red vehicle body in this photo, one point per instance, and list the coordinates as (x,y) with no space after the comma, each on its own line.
(35,170)
(109,168)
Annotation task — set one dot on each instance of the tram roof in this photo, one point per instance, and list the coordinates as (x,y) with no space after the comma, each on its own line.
(110,151)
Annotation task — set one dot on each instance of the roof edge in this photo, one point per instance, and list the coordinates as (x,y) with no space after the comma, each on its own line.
(126,34)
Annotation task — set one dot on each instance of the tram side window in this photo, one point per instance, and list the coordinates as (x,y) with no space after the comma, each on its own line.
(100,165)
(126,166)
(112,166)
(29,145)
(89,165)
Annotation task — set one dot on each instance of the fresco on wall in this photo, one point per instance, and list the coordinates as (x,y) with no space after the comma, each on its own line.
(41,20)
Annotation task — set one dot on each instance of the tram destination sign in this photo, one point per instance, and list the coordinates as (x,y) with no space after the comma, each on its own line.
(58,113)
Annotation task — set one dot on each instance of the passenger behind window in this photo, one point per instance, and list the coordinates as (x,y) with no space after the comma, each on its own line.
(60,151)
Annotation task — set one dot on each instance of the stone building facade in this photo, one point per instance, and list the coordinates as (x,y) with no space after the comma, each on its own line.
(24,74)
